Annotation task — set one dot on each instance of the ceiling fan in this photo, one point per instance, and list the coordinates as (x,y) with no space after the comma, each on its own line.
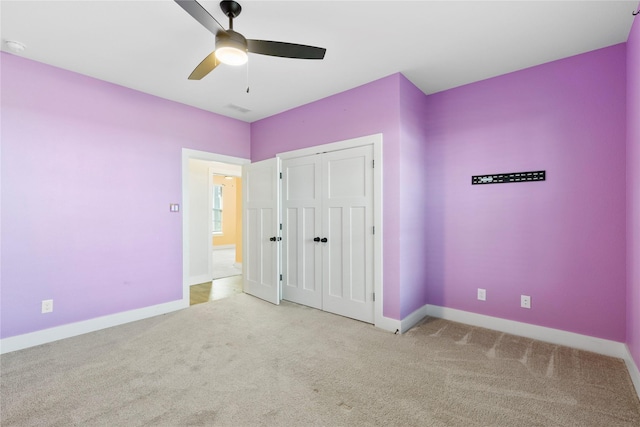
(232,47)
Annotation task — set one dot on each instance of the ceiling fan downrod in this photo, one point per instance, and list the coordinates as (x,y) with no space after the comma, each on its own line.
(231,9)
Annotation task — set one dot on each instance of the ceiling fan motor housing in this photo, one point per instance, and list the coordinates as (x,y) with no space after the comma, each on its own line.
(231,39)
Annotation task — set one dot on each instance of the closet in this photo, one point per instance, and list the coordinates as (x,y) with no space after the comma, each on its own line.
(328,231)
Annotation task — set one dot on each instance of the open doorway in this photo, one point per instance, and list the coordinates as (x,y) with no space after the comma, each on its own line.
(226,238)
(212,226)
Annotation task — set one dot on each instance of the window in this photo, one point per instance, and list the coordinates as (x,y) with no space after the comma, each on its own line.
(217,209)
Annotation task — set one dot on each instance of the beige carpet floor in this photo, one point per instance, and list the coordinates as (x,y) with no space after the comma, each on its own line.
(243,362)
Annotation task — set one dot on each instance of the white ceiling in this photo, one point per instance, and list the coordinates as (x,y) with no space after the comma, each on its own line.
(152,46)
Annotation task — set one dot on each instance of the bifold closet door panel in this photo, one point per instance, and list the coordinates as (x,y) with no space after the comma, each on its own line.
(301,201)
(347,223)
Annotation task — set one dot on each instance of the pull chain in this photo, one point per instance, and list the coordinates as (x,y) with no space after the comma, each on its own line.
(247,76)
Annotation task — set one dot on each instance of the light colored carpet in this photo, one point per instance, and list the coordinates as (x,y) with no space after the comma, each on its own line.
(224,263)
(243,362)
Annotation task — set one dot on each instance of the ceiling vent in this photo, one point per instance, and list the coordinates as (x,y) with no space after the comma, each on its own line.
(238,108)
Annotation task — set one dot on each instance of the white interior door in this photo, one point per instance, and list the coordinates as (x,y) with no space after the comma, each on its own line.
(261,222)
(301,255)
(347,221)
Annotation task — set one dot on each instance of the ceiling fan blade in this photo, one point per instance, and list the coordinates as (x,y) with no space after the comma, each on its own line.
(285,50)
(201,15)
(205,67)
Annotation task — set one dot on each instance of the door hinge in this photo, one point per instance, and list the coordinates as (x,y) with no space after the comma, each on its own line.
(281,277)
(374,296)
(373,230)
(280,226)
(280,175)
(373,163)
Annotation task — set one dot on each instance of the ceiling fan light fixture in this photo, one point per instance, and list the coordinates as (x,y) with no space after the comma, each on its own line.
(231,55)
(231,48)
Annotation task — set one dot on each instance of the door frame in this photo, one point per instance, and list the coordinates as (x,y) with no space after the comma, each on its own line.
(376,141)
(189,154)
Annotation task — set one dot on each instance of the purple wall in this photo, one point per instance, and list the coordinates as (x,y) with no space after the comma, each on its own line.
(89,168)
(633,191)
(560,241)
(414,234)
(368,109)
(88,171)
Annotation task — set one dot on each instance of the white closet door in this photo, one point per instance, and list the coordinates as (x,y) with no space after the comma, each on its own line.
(347,222)
(261,222)
(301,257)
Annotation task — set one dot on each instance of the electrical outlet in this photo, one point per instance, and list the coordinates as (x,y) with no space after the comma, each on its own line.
(47,306)
(482,294)
(525,301)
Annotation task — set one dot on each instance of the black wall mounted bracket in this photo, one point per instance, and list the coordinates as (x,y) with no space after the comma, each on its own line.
(504,178)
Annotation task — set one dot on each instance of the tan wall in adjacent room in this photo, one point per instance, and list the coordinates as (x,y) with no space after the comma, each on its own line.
(229,211)
(231,214)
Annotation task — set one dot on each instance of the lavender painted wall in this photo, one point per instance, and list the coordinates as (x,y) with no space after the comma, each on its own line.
(88,171)
(368,109)
(560,241)
(633,191)
(414,234)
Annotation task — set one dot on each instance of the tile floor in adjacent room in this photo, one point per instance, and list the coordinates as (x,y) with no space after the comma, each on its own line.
(224,262)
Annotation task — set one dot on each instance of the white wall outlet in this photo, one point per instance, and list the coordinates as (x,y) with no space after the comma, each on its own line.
(482,294)
(47,306)
(525,301)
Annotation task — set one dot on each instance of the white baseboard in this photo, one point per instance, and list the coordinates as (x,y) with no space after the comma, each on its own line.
(219,247)
(411,320)
(554,336)
(633,371)
(387,324)
(44,336)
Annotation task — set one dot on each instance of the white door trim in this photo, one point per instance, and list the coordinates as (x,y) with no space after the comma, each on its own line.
(376,141)
(189,154)
(335,146)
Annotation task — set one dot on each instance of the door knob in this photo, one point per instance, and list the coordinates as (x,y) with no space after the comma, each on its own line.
(273,239)
(316,239)
(324,240)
